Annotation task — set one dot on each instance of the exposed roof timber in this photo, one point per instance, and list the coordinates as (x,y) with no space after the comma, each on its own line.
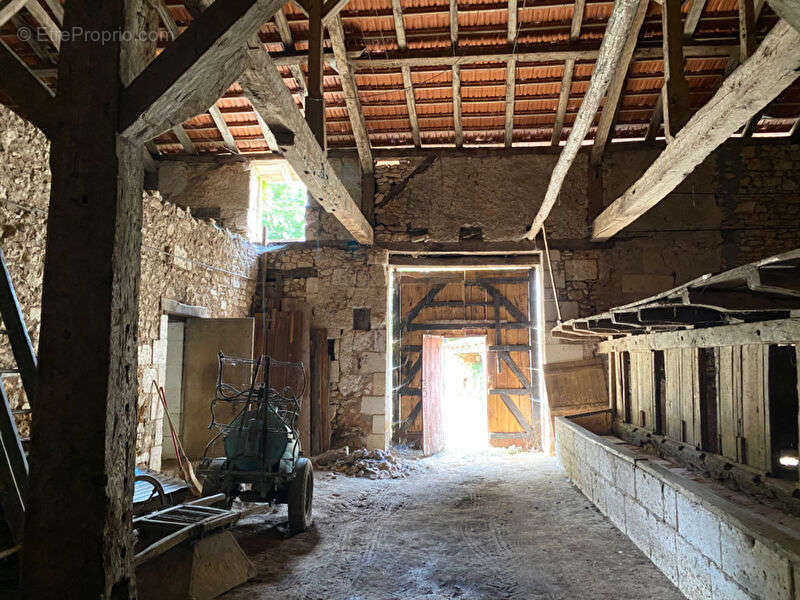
(747,30)
(194,70)
(789,10)
(511,33)
(46,22)
(617,85)
(315,101)
(184,139)
(693,18)
(8,8)
(511,74)
(457,106)
(675,96)
(750,88)
(466,55)
(411,105)
(285,33)
(354,111)
(621,25)
(399,27)
(225,132)
(166,18)
(32,100)
(332,9)
(274,103)
(453,12)
(656,119)
(577,20)
(563,100)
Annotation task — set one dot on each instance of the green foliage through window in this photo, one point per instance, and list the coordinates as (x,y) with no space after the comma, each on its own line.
(283,210)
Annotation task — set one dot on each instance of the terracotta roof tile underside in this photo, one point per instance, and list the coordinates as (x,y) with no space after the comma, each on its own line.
(482,28)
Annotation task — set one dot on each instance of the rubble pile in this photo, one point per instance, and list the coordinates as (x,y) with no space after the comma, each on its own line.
(372,464)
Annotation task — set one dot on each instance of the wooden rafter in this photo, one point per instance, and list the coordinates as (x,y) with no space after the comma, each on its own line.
(32,100)
(46,22)
(693,18)
(655,119)
(577,20)
(399,27)
(219,121)
(285,33)
(788,10)
(454,22)
(166,18)
(9,8)
(617,85)
(747,29)
(511,87)
(511,33)
(770,70)
(457,106)
(331,10)
(315,101)
(194,70)
(272,100)
(675,94)
(408,85)
(620,28)
(563,101)
(188,146)
(354,111)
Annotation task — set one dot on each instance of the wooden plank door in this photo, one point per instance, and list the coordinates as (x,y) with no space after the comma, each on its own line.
(432,394)
(203,339)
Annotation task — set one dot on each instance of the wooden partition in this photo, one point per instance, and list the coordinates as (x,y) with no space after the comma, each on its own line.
(740,407)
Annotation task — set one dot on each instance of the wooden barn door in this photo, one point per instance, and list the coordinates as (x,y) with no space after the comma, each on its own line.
(498,304)
(432,394)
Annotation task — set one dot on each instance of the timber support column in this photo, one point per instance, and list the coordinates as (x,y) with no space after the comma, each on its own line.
(78,541)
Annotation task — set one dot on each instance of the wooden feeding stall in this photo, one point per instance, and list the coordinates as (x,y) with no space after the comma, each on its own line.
(708,372)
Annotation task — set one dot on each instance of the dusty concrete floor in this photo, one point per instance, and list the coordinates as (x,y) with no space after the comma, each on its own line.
(479,527)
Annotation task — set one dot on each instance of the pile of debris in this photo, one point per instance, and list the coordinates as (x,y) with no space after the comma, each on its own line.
(372,464)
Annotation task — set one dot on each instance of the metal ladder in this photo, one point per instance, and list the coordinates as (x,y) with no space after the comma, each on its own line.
(13,462)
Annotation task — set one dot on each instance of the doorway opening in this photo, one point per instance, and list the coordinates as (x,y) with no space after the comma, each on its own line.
(464,409)
(465,356)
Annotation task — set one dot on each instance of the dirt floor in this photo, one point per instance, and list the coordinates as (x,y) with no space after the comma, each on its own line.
(488,526)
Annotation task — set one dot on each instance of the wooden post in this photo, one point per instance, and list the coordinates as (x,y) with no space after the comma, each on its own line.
(78,541)
(315,103)
(675,101)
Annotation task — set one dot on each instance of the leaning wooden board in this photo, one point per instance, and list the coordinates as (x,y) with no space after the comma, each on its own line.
(288,338)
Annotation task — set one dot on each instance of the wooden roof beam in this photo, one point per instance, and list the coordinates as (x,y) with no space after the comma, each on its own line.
(331,10)
(511,86)
(285,33)
(457,106)
(693,18)
(616,87)
(788,10)
(194,70)
(273,101)
(46,22)
(411,105)
(354,111)
(454,22)
(675,93)
(511,34)
(577,20)
(315,101)
(219,121)
(9,8)
(621,27)
(771,69)
(33,101)
(563,100)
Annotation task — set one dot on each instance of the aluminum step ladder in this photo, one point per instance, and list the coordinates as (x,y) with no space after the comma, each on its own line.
(13,462)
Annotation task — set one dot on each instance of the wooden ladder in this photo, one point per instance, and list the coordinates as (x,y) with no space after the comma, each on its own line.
(13,462)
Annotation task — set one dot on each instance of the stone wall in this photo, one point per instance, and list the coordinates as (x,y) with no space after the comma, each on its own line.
(338,282)
(741,204)
(707,544)
(184,259)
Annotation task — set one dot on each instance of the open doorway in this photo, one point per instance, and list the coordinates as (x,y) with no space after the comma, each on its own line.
(464,406)
(486,318)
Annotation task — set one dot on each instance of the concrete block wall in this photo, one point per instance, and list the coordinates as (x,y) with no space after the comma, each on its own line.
(709,547)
